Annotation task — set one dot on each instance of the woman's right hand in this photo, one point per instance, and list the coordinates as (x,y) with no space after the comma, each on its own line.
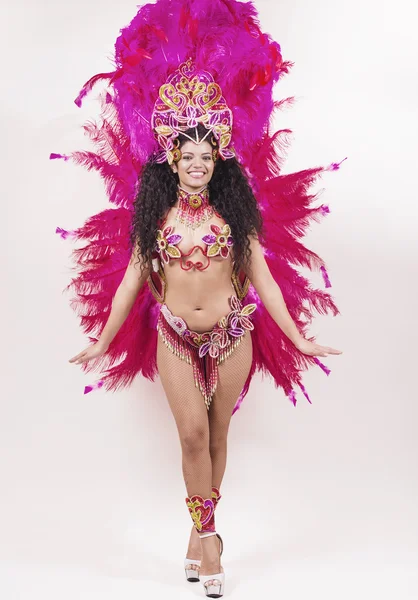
(93,351)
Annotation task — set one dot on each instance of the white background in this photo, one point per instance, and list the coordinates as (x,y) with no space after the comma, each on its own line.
(319,500)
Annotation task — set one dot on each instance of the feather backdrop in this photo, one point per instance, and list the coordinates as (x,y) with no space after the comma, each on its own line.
(224,38)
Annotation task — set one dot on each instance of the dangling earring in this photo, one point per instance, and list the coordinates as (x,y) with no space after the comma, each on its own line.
(176,153)
(215,150)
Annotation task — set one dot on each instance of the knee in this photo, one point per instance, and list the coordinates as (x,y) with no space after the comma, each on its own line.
(195,441)
(218,441)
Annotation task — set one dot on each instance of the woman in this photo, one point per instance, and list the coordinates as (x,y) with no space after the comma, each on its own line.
(199,220)
(183,276)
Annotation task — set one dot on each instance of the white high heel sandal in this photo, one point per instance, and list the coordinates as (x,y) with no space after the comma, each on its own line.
(191,574)
(214,585)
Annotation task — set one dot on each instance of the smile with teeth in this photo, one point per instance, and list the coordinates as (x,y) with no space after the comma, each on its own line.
(196,174)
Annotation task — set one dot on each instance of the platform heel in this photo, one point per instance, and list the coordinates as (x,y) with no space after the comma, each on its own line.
(202,511)
(214,585)
(192,575)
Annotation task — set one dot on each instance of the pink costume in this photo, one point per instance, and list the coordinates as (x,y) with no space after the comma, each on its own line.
(217,242)
(203,350)
(168,51)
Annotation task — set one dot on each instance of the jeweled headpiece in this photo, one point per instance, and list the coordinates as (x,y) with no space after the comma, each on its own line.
(190,97)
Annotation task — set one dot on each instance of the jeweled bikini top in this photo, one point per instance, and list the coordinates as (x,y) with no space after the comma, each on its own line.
(194,209)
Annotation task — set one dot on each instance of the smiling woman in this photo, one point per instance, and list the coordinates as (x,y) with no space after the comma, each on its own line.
(198,185)
(191,259)
(195,168)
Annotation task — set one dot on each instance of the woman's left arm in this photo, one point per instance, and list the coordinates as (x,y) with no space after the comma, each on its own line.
(271,295)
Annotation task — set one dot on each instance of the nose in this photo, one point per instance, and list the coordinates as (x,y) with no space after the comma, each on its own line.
(197,163)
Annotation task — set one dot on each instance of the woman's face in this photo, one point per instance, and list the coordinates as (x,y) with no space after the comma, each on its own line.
(195,168)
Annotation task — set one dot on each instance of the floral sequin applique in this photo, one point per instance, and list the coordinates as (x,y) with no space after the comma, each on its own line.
(166,244)
(219,241)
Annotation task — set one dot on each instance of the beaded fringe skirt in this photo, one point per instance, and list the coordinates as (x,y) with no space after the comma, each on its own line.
(205,351)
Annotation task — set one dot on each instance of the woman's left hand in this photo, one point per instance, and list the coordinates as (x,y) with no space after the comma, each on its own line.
(312,349)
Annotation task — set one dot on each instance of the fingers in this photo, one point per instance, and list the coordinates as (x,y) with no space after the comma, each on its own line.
(331,350)
(76,357)
(82,359)
(79,358)
(325,350)
(88,354)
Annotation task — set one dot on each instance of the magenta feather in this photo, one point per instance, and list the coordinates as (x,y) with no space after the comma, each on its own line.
(65,234)
(54,155)
(224,38)
(326,277)
(95,386)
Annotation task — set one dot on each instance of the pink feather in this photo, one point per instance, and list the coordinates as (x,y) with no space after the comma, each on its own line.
(223,37)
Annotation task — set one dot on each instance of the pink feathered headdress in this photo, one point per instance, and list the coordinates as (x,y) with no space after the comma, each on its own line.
(238,65)
(190,98)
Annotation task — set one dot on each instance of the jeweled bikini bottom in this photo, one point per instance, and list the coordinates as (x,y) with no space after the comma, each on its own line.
(205,351)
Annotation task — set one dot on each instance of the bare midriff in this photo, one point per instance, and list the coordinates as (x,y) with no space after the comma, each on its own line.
(199,296)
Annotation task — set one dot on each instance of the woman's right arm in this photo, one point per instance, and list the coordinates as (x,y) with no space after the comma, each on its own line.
(133,279)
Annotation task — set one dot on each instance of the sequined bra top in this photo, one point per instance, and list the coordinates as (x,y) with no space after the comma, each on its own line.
(194,209)
(218,242)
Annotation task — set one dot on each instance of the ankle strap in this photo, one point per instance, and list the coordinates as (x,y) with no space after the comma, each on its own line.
(204,535)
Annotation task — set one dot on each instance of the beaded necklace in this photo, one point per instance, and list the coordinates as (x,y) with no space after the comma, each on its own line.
(194,208)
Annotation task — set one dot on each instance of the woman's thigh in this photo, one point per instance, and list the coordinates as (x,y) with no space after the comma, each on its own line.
(184,398)
(233,373)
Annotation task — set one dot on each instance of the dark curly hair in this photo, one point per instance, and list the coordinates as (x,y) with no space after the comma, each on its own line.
(229,193)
